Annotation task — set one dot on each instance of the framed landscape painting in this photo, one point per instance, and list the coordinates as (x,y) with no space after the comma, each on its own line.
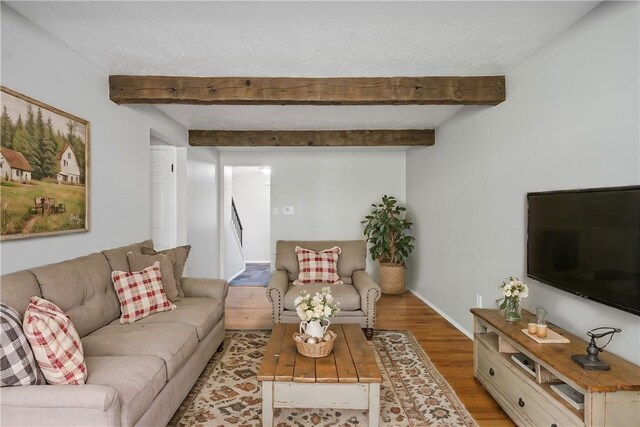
(44,169)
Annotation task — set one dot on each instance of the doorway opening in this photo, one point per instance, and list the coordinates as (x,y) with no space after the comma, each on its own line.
(247,223)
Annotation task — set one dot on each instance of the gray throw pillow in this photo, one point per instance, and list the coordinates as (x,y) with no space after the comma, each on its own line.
(138,262)
(178,257)
(16,358)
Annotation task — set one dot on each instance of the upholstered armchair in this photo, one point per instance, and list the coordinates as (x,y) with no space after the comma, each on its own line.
(357,296)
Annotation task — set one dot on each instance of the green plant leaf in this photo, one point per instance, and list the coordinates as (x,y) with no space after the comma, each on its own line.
(386,231)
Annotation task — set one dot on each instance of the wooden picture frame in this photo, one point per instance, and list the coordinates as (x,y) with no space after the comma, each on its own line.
(44,169)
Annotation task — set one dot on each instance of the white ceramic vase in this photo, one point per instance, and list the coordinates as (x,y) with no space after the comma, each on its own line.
(314,328)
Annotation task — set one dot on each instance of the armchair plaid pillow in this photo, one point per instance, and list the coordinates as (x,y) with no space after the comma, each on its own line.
(318,267)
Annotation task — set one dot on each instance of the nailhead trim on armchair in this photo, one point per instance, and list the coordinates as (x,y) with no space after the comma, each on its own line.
(276,313)
(371,302)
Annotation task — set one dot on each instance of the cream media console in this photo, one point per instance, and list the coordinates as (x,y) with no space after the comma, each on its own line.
(526,390)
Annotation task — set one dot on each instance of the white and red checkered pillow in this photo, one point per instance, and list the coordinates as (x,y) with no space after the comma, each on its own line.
(55,343)
(318,267)
(140,293)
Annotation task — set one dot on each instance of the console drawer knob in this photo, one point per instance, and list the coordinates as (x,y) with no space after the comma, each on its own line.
(491,372)
(521,402)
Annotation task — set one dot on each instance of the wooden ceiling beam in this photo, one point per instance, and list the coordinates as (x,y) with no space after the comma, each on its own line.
(478,90)
(312,138)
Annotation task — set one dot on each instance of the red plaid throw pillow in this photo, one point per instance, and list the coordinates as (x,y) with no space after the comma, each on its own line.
(318,267)
(140,293)
(55,343)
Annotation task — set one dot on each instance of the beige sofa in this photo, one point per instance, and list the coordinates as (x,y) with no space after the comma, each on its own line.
(357,296)
(138,374)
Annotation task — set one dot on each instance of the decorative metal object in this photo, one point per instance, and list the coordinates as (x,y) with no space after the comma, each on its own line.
(591,362)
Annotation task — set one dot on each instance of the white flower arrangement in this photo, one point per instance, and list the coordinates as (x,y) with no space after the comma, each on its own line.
(319,307)
(512,287)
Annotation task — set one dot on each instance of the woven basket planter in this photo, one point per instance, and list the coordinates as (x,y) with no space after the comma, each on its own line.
(392,281)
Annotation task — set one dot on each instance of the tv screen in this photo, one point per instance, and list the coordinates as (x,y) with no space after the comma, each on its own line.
(587,242)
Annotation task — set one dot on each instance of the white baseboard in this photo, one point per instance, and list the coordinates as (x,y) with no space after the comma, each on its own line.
(258,262)
(443,314)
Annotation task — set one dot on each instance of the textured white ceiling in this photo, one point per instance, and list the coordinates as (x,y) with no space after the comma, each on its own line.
(313,39)
(308,117)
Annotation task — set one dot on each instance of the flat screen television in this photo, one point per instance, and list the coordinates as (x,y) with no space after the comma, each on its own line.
(587,242)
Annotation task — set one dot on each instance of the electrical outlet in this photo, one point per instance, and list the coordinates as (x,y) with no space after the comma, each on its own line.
(275,211)
(478,301)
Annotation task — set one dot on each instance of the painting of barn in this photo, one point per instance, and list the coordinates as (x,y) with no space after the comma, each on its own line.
(14,166)
(69,171)
(44,176)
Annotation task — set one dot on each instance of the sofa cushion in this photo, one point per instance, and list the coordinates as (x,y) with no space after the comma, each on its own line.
(82,288)
(18,366)
(138,262)
(352,258)
(346,295)
(201,313)
(140,293)
(18,288)
(318,267)
(174,343)
(55,343)
(136,379)
(117,257)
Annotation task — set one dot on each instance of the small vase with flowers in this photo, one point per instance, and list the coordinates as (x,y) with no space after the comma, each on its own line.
(513,290)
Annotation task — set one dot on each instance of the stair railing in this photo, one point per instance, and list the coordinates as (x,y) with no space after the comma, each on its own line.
(235,218)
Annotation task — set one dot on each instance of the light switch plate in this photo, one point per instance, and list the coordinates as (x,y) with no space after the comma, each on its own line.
(287,210)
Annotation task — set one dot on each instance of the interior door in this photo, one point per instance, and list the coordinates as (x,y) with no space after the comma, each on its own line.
(163,197)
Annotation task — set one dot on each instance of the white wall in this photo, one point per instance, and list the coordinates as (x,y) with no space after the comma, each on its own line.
(41,67)
(203,180)
(252,196)
(570,121)
(331,190)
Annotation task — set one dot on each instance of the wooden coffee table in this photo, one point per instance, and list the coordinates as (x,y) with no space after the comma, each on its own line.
(348,378)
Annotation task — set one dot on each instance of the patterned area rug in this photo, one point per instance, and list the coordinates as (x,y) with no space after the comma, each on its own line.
(413,393)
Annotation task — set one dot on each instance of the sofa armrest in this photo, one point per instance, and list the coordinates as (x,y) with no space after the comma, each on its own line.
(72,405)
(276,290)
(369,293)
(205,288)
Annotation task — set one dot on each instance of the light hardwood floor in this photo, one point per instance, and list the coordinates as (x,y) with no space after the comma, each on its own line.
(449,349)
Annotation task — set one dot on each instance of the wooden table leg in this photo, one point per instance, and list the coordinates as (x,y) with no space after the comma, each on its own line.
(267,403)
(374,404)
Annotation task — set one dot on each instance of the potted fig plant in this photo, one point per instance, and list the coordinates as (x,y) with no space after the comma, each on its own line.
(386,230)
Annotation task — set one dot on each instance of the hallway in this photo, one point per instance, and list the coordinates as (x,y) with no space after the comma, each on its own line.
(255,274)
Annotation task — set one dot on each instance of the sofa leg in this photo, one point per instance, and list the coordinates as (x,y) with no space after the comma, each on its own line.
(220,347)
(368,333)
